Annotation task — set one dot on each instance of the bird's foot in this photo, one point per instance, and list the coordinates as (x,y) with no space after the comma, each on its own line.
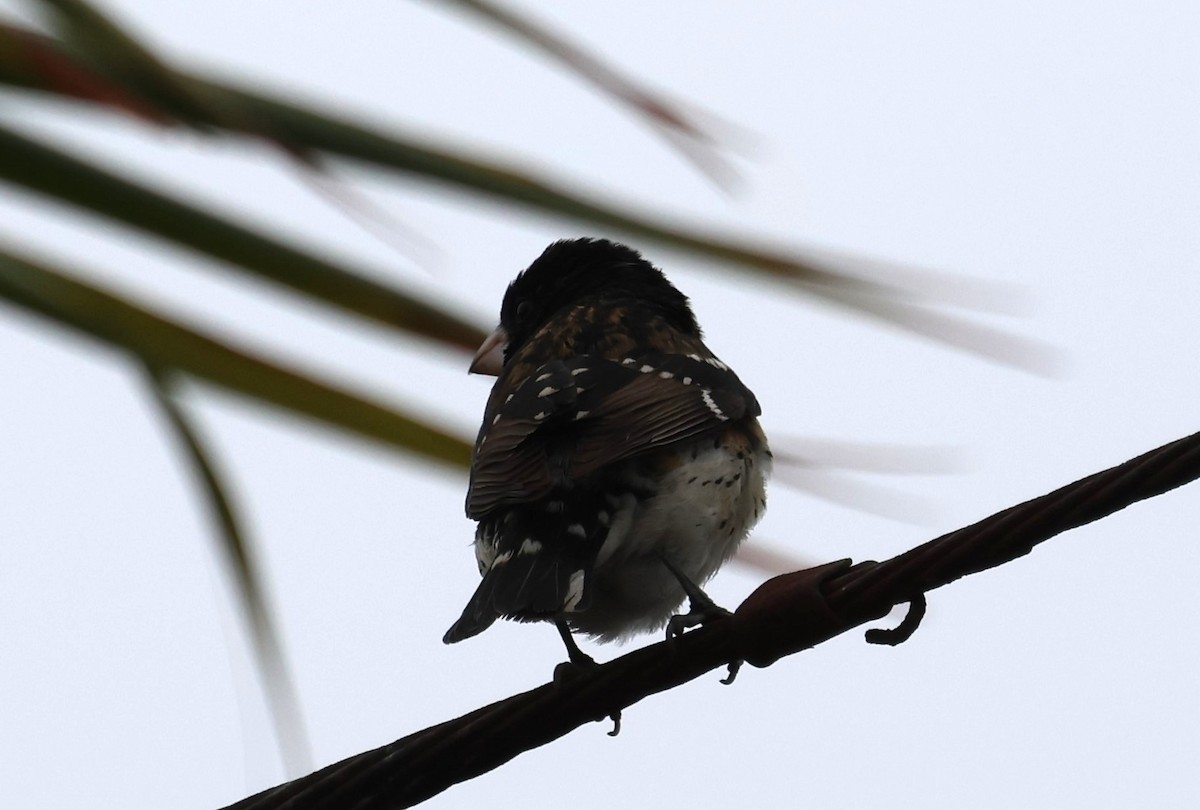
(701,609)
(697,614)
(735,666)
(575,655)
(577,664)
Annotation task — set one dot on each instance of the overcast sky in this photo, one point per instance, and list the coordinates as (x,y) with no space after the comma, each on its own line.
(1051,146)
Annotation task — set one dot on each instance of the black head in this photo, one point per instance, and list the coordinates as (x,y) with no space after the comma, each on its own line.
(597,270)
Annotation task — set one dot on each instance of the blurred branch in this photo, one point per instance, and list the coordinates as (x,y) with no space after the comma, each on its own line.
(785,615)
(768,560)
(68,179)
(911,306)
(666,117)
(111,51)
(851,492)
(291,737)
(162,343)
(869,457)
(811,465)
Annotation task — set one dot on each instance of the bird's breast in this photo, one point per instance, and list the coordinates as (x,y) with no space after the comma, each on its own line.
(704,498)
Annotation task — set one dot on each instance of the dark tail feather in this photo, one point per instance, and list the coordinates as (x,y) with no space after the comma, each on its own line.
(532,586)
(525,587)
(476,617)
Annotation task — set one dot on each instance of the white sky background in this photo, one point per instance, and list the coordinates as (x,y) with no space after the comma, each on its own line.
(1053,145)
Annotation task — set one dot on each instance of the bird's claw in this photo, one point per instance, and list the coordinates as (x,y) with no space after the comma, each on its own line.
(697,614)
(679,624)
(735,666)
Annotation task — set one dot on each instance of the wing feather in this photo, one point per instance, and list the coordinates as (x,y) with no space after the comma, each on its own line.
(601,411)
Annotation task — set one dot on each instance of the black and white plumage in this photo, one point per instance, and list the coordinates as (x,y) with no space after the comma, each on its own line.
(614,447)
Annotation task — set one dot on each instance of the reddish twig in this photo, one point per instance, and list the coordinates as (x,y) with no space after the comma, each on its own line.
(785,615)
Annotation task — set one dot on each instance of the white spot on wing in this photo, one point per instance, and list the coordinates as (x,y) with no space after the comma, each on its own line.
(577,530)
(706,395)
(666,375)
(529,546)
(547,391)
(646,369)
(575,372)
(581,414)
(545,376)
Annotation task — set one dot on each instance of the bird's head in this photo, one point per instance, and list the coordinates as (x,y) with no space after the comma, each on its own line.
(571,271)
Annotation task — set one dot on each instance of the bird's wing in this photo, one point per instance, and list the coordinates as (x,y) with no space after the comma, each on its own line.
(570,418)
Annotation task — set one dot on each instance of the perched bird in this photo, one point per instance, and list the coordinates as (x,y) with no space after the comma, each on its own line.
(620,463)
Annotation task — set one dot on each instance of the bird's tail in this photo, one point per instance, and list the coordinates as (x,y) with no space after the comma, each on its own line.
(476,617)
(534,581)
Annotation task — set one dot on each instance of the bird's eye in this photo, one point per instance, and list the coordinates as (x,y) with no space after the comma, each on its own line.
(524,311)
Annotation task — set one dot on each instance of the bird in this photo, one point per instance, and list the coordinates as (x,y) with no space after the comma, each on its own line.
(619,463)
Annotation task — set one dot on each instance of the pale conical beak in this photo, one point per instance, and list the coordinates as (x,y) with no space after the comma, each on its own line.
(490,357)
